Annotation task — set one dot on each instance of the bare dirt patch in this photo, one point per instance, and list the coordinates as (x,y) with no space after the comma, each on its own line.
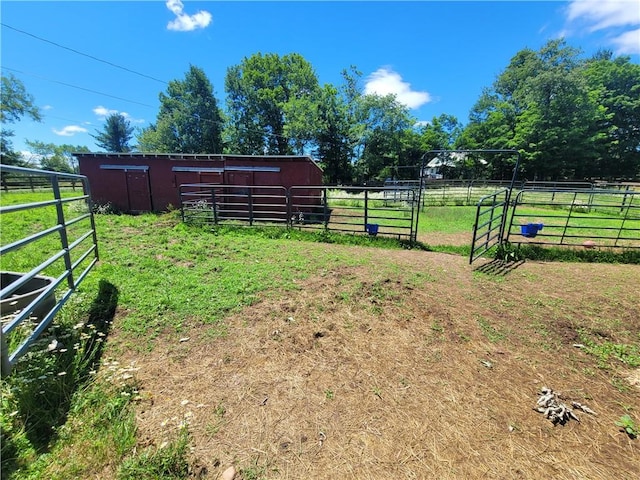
(418,366)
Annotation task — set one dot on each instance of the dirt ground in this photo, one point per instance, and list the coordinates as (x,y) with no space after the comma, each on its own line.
(424,367)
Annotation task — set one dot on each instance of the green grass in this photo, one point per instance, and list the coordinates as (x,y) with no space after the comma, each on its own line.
(492,334)
(169,462)
(47,386)
(447,220)
(143,259)
(628,426)
(511,252)
(164,277)
(606,351)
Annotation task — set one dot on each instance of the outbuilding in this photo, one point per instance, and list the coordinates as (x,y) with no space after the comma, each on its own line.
(143,182)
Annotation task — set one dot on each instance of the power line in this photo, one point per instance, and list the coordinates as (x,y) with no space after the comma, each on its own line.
(246,128)
(76,87)
(267,134)
(84,54)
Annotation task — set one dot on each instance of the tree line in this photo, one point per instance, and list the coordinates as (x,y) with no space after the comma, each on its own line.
(569,117)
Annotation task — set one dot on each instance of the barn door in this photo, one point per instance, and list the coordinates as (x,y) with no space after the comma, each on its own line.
(138,191)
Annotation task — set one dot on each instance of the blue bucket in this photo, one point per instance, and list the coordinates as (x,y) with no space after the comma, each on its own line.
(530,230)
(372,228)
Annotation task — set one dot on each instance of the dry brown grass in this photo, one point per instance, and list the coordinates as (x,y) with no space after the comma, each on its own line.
(381,372)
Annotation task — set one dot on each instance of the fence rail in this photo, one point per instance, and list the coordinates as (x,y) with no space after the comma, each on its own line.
(352,210)
(29,298)
(12,181)
(488,229)
(595,218)
(447,192)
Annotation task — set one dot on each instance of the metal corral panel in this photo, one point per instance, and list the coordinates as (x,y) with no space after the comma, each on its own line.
(135,182)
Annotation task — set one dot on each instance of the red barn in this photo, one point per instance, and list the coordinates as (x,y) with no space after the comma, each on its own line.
(142,182)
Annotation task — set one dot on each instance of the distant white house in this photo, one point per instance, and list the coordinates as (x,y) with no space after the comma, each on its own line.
(433,169)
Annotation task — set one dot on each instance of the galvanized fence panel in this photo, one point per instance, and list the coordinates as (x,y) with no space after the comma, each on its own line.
(437,193)
(242,204)
(446,192)
(591,217)
(372,210)
(355,210)
(32,299)
(488,229)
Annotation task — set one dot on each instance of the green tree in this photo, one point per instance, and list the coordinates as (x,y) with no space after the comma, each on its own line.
(441,133)
(614,84)
(15,103)
(271,102)
(384,122)
(334,140)
(189,120)
(115,135)
(55,158)
(338,129)
(364,137)
(541,106)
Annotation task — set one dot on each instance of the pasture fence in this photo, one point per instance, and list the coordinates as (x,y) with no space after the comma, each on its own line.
(16,181)
(569,214)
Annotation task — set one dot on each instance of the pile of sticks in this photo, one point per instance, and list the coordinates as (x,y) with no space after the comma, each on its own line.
(550,405)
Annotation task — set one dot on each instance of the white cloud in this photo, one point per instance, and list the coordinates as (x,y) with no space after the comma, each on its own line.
(385,81)
(628,43)
(47,107)
(27,156)
(104,112)
(602,14)
(69,130)
(615,17)
(184,22)
(131,119)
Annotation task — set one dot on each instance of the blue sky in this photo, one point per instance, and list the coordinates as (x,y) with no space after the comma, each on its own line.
(436,56)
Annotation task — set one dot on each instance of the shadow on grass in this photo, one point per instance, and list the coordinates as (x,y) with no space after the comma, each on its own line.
(498,267)
(45,380)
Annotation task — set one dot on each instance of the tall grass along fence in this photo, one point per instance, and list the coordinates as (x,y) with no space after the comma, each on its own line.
(49,245)
(373,211)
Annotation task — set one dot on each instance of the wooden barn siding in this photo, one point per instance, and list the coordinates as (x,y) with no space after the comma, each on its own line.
(115,186)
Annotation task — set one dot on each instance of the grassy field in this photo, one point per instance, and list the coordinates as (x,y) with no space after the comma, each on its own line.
(291,355)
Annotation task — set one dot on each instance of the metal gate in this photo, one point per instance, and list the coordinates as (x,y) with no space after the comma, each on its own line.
(492,209)
(583,216)
(489,225)
(33,295)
